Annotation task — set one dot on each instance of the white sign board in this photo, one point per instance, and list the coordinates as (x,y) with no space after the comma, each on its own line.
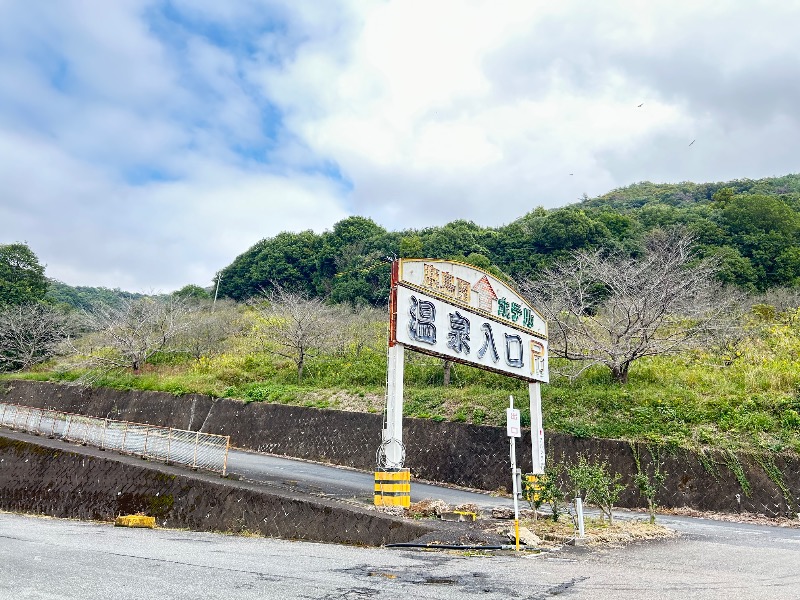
(464,285)
(432,326)
(513,426)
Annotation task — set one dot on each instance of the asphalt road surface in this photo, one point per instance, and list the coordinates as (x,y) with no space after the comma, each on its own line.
(335,482)
(45,558)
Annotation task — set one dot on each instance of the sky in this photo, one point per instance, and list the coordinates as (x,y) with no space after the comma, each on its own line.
(144,144)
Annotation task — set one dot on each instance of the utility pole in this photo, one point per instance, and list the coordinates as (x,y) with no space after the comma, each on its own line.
(216,291)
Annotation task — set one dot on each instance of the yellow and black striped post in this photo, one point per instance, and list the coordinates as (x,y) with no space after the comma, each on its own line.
(393,487)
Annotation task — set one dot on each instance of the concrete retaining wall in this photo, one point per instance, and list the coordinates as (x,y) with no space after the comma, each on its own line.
(462,454)
(37,475)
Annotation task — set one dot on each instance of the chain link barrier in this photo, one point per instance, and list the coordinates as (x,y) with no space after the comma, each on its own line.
(165,444)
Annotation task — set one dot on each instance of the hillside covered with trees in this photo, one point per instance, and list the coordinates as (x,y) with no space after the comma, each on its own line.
(751,226)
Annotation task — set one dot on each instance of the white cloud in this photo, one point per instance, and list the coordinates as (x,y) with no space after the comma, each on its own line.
(447,108)
(91,230)
(100,107)
(144,144)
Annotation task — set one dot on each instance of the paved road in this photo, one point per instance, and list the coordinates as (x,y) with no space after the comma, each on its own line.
(49,558)
(333,482)
(43,558)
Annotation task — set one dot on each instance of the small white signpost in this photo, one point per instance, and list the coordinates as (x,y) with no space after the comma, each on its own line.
(514,431)
(461,313)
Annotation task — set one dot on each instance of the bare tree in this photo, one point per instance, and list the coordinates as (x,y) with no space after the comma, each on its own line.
(364,328)
(131,333)
(30,334)
(296,326)
(613,309)
(775,302)
(207,327)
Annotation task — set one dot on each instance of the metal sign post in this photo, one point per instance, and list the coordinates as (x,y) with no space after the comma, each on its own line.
(514,431)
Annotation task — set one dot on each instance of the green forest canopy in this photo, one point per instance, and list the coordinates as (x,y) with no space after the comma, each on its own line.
(85,297)
(22,277)
(752,226)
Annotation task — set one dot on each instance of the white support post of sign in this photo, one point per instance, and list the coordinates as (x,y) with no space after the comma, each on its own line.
(537,432)
(513,431)
(393,432)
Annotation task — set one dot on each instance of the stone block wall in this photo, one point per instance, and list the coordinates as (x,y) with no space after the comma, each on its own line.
(462,454)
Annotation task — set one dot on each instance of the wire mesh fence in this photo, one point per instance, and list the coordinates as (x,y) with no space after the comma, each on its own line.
(192,448)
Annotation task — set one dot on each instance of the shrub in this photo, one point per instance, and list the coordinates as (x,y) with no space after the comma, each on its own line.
(593,482)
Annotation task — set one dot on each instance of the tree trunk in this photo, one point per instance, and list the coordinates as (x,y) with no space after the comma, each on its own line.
(651,507)
(619,373)
(448,365)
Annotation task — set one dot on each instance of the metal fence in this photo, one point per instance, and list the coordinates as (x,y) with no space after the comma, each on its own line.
(178,446)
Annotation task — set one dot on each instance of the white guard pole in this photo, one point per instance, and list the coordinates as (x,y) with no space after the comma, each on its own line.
(393,434)
(537,432)
(579,513)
